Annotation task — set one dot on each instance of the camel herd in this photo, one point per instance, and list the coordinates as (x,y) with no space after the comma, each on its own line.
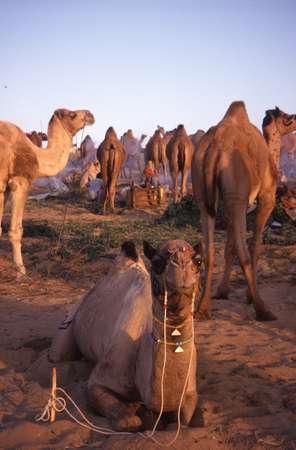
(144,319)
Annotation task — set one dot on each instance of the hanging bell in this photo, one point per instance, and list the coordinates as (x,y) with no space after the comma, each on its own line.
(179,349)
(176,332)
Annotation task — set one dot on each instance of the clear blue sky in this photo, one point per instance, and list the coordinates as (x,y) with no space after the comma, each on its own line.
(136,64)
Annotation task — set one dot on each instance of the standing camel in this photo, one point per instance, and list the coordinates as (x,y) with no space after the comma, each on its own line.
(233,160)
(179,152)
(21,162)
(155,152)
(111,155)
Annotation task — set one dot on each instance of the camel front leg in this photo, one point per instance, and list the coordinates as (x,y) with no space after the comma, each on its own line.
(265,206)
(19,191)
(239,226)
(208,225)
(229,255)
(121,415)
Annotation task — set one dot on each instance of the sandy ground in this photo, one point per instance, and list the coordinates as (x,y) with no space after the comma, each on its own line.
(246,374)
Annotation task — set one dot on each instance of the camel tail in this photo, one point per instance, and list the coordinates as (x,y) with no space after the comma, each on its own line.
(210,179)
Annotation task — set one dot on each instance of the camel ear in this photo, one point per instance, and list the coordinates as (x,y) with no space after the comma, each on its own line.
(128,248)
(149,251)
(59,113)
(277,112)
(198,256)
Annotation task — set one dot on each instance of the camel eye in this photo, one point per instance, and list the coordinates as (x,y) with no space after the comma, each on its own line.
(197,262)
(158,265)
(72,115)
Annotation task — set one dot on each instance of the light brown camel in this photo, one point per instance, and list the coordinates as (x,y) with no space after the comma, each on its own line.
(134,160)
(179,152)
(111,155)
(119,327)
(232,160)
(155,152)
(276,124)
(37,138)
(21,162)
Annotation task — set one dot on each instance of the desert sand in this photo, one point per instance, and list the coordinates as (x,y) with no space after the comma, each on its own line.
(246,373)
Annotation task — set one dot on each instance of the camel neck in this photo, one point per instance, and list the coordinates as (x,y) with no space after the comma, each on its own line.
(273,139)
(178,356)
(55,157)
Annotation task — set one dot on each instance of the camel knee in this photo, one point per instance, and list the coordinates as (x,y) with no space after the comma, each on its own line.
(15,235)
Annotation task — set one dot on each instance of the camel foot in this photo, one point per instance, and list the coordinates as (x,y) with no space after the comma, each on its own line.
(20,273)
(265,316)
(127,423)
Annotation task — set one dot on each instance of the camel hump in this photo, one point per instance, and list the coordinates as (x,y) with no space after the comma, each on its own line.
(237,112)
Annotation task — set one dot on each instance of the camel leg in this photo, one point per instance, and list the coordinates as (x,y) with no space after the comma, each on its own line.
(19,190)
(105,402)
(185,174)
(175,187)
(208,225)
(112,193)
(229,255)
(239,226)
(265,206)
(2,201)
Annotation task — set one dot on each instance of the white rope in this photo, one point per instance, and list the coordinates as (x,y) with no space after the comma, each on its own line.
(60,404)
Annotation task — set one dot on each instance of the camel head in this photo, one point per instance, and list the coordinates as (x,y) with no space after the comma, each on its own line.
(73,121)
(275,118)
(175,266)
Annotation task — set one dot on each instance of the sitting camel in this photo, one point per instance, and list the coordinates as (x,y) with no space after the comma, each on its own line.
(136,328)
(111,155)
(155,152)
(179,152)
(21,162)
(37,138)
(233,160)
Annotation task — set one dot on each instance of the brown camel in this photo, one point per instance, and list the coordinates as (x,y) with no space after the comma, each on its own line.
(37,138)
(119,327)
(155,152)
(111,155)
(233,160)
(21,162)
(179,152)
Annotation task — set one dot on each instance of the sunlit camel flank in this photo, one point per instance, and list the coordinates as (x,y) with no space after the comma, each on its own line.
(233,160)
(21,162)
